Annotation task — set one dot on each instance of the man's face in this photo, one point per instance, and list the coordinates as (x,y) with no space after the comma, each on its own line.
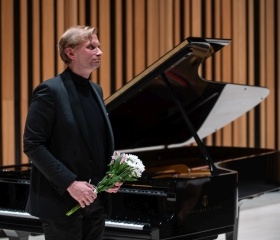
(87,55)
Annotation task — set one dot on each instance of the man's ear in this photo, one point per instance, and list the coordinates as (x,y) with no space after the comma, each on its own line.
(69,52)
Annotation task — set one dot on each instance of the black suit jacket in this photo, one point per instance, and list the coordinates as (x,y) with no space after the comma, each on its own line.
(57,144)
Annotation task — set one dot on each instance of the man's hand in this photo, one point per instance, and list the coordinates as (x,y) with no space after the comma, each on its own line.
(115,188)
(82,192)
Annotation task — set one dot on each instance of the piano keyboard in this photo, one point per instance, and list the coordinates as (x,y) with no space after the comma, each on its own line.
(108,223)
(125,225)
(12,213)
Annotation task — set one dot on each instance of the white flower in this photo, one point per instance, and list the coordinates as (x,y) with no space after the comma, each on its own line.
(123,167)
(136,164)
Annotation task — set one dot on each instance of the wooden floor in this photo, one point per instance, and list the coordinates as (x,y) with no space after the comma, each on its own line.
(259,218)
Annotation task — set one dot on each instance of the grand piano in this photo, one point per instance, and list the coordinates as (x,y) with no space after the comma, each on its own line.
(188,190)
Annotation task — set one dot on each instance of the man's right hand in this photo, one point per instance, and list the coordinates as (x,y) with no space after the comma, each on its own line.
(82,192)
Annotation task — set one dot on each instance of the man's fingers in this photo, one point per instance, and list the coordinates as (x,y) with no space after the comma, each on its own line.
(90,185)
(86,198)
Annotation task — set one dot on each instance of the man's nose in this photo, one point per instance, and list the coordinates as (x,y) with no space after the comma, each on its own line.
(99,52)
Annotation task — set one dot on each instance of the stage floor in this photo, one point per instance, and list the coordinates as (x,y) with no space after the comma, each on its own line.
(259,218)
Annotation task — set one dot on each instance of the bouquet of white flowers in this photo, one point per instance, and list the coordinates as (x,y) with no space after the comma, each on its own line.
(123,167)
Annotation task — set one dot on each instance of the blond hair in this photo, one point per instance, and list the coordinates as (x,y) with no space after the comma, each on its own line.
(72,38)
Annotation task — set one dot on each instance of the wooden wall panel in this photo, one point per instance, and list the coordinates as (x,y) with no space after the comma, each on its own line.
(277,78)
(139,36)
(187,18)
(36,43)
(60,28)
(71,12)
(7,82)
(134,34)
(268,80)
(94,23)
(276,134)
(105,39)
(239,63)
(23,81)
(208,65)
(128,53)
(81,12)
(216,27)
(48,40)
(226,60)
(262,59)
(250,68)
(118,78)
(165,39)
(177,23)
(196,18)
(153,34)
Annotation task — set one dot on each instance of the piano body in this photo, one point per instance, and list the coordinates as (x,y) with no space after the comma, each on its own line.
(188,191)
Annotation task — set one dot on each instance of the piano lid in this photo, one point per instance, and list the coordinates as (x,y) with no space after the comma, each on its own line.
(143,112)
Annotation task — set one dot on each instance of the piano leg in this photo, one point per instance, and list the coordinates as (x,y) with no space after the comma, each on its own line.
(16,235)
(234,235)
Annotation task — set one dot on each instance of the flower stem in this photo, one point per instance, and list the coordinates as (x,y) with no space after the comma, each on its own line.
(74,209)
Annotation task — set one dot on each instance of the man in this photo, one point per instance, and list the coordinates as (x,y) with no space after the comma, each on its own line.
(69,141)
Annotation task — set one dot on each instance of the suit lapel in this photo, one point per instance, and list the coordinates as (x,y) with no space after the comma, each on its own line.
(110,131)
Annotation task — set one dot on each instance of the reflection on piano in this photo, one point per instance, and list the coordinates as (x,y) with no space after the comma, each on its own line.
(186,192)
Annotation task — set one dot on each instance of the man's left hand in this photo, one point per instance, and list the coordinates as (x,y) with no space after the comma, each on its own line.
(115,188)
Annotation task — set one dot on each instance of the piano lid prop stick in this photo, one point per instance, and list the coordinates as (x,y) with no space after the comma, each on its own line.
(213,169)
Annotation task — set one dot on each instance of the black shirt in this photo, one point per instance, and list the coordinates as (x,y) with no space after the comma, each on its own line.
(96,126)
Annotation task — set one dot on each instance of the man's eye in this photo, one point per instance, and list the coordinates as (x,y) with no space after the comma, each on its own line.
(92,47)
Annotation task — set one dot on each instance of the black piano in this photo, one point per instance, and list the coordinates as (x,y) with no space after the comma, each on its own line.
(188,190)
